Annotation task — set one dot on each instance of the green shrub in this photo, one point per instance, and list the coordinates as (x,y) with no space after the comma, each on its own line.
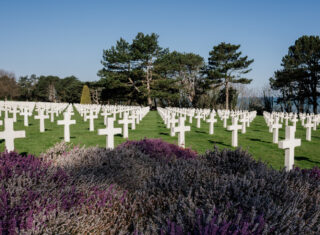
(85,96)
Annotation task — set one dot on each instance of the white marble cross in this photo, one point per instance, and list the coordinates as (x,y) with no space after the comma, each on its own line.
(51,112)
(91,118)
(110,131)
(66,122)
(276,126)
(25,113)
(294,121)
(289,144)
(198,117)
(125,121)
(211,122)
(225,118)
(244,120)
(41,118)
(105,115)
(181,129)
(308,126)
(9,134)
(132,117)
(234,128)
(14,112)
(173,122)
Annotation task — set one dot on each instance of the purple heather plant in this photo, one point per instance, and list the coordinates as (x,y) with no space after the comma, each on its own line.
(140,188)
(158,148)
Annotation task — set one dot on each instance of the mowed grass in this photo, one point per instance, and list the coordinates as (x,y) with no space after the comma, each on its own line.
(257,140)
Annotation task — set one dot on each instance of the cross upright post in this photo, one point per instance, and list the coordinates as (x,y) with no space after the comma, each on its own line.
(41,118)
(9,134)
(125,121)
(276,126)
(234,128)
(211,122)
(181,129)
(66,122)
(110,131)
(289,144)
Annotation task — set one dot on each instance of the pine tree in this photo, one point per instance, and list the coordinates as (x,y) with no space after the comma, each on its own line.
(225,66)
(85,96)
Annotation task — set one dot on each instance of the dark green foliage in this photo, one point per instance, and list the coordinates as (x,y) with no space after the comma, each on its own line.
(85,95)
(50,88)
(226,66)
(233,97)
(299,79)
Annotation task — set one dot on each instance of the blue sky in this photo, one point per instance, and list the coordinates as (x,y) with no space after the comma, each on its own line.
(67,37)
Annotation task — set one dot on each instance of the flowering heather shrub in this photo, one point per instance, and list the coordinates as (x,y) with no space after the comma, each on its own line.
(30,187)
(158,148)
(220,192)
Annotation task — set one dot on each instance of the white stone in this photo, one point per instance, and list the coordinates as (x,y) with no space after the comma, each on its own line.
(234,128)
(25,113)
(308,126)
(289,144)
(91,118)
(181,129)
(9,134)
(276,126)
(125,121)
(66,122)
(41,118)
(198,117)
(211,122)
(110,131)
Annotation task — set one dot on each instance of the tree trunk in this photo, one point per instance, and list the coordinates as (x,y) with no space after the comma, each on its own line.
(227,95)
(149,77)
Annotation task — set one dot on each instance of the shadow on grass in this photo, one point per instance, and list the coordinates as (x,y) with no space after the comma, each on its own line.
(302,158)
(71,137)
(219,142)
(203,132)
(259,140)
(1,141)
(163,133)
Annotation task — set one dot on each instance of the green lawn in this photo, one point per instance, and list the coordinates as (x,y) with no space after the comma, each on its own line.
(257,140)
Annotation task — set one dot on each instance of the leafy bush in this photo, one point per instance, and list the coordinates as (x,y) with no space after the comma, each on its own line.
(156,191)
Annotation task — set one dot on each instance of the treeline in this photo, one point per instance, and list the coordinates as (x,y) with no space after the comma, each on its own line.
(142,72)
(40,88)
(297,82)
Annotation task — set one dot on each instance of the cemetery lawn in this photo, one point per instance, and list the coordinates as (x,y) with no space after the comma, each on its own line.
(257,141)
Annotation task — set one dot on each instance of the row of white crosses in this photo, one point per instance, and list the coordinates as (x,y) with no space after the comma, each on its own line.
(290,142)
(43,111)
(131,115)
(169,117)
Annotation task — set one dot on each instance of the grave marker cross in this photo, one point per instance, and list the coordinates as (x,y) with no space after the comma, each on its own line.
(181,129)
(66,122)
(9,134)
(289,144)
(110,131)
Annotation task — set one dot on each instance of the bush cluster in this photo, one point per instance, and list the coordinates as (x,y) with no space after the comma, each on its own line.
(152,187)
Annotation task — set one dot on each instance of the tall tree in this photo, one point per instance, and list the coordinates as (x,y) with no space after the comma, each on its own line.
(27,86)
(8,85)
(301,72)
(182,69)
(145,50)
(226,66)
(119,76)
(85,95)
